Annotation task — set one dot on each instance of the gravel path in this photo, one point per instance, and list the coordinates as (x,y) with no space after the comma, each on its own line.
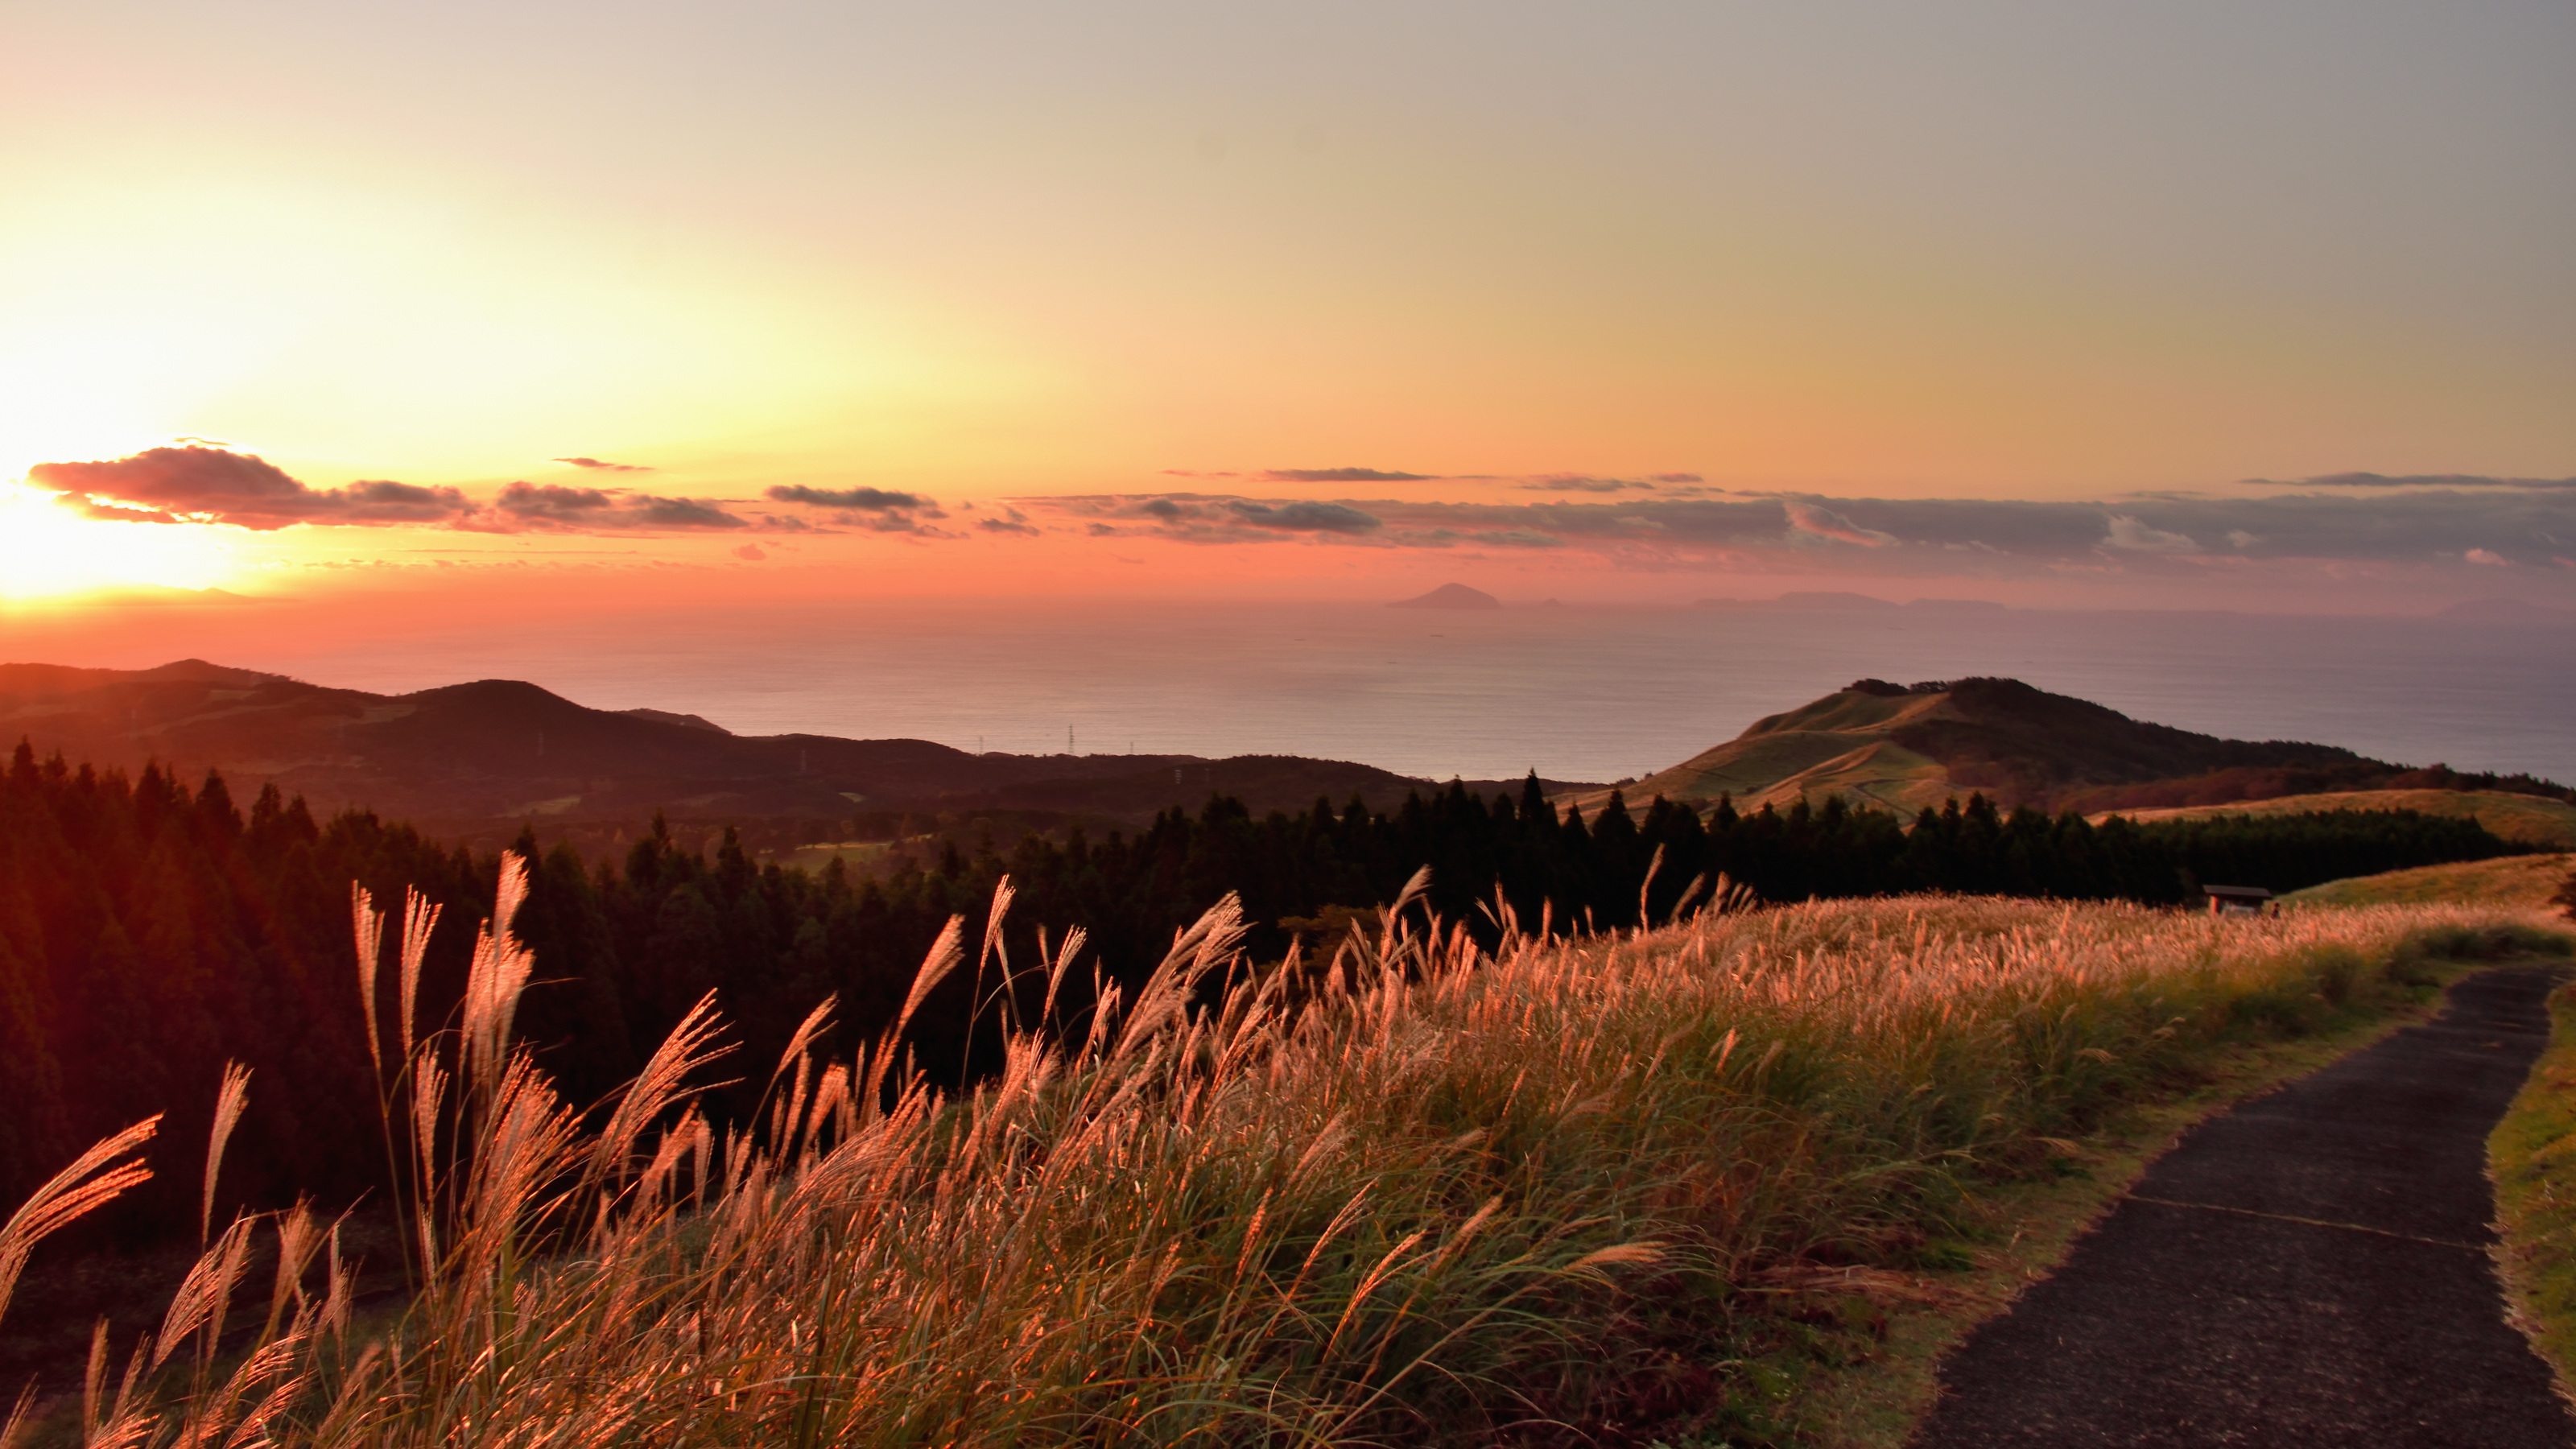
(2311,1269)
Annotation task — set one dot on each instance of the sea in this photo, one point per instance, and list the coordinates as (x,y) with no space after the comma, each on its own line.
(1573,692)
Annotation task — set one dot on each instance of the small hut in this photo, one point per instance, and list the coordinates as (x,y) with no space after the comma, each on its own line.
(2236,900)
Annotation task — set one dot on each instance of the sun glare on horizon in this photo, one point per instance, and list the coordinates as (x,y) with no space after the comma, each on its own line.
(48,552)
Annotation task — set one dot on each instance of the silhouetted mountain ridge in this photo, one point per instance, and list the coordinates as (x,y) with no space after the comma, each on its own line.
(465,758)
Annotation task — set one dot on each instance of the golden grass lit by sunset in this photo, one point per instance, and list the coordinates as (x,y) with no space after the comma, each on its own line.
(1415,1195)
(986,726)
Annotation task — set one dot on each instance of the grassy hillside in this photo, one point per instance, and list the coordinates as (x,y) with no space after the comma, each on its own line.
(1906,747)
(1840,744)
(1563,1192)
(2527,819)
(2514,881)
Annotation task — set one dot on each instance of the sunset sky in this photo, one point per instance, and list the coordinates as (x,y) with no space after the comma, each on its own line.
(2270,306)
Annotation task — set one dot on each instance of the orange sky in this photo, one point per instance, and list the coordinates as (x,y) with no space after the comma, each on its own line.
(993,258)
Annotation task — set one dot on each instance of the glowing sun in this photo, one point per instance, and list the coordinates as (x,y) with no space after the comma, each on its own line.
(47,551)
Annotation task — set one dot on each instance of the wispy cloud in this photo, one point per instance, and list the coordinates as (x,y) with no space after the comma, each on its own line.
(1577,483)
(1012,521)
(1814,522)
(2414,480)
(1304,517)
(2127,532)
(875,500)
(200,484)
(1341,475)
(873,510)
(1206,518)
(605,467)
(524,507)
(1898,536)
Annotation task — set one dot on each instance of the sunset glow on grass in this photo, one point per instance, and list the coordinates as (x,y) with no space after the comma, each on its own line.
(1246,1210)
(678,511)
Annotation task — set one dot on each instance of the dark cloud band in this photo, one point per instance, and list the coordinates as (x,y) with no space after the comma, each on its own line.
(200,484)
(2534,528)
(2414,480)
(1341,475)
(875,500)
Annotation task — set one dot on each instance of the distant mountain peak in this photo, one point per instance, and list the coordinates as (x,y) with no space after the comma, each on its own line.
(1450,596)
(202,672)
(689,721)
(1905,746)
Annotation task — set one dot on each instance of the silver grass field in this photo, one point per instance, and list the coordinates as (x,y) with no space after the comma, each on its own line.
(1425,1193)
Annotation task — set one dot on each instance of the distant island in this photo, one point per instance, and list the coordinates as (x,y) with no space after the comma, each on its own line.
(1450,596)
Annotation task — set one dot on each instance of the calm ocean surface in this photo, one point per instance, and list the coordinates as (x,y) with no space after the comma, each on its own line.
(1576,693)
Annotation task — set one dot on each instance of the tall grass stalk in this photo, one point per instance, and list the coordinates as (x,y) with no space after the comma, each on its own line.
(1427,1194)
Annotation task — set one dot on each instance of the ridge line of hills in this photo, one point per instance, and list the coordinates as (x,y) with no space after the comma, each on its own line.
(477,761)
(1905,747)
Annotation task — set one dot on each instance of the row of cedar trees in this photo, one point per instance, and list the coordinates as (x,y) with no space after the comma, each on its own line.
(149,933)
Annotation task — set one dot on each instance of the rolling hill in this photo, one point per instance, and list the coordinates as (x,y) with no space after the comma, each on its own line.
(475,760)
(1907,746)
(2528,819)
(2521,881)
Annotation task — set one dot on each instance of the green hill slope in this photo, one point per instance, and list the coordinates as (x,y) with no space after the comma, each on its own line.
(2515,880)
(2528,819)
(1909,746)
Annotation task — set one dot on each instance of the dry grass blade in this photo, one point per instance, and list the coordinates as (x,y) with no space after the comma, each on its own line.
(532,1139)
(14,1432)
(993,948)
(660,1087)
(299,1237)
(1619,1255)
(340,1289)
(367,924)
(420,919)
(511,893)
(1065,951)
(93,1178)
(1391,929)
(1196,953)
(230,1098)
(942,958)
(204,1292)
(816,1022)
(494,981)
(94,1382)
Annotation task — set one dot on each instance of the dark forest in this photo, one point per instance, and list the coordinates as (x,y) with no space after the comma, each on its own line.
(150,932)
